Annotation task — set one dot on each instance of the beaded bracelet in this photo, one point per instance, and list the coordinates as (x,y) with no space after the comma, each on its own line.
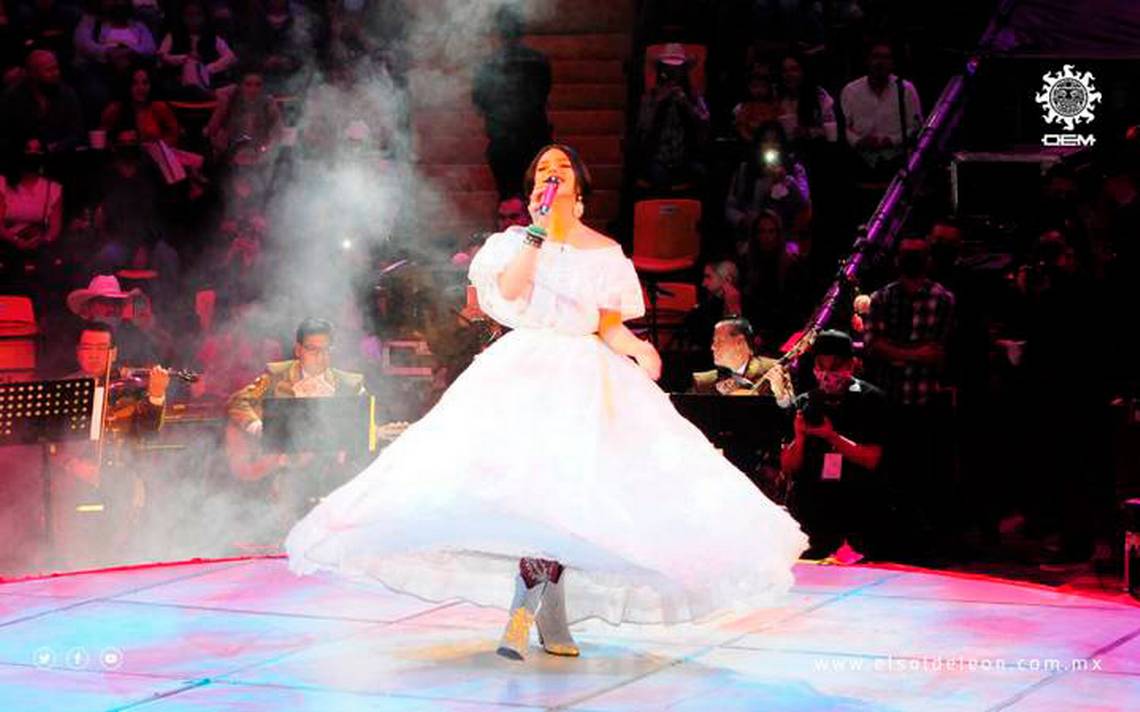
(535,236)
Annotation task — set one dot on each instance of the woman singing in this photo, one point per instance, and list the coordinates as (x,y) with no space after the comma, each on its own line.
(554,463)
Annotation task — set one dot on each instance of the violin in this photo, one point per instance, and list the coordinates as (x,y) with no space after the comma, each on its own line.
(143,374)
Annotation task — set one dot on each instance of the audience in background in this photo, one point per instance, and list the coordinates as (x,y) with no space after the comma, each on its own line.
(759,106)
(672,125)
(195,56)
(875,117)
(770,178)
(510,92)
(806,110)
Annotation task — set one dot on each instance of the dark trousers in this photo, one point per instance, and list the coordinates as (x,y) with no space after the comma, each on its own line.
(830,511)
(921,468)
(509,156)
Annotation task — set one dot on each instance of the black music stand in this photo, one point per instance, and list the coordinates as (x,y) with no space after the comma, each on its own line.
(334,424)
(48,412)
(747,429)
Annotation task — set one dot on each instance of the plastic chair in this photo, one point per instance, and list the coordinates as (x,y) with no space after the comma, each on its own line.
(18,332)
(665,240)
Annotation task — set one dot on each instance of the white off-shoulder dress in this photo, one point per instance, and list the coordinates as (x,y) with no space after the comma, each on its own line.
(552,445)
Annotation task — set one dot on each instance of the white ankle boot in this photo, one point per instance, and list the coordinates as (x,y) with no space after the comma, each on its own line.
(553,631)
(516,636)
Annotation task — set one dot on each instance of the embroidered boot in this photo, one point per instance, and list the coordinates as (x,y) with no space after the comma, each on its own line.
(516,636)
(553,632)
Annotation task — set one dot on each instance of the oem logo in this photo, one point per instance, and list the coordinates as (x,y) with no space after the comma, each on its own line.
(1068,98)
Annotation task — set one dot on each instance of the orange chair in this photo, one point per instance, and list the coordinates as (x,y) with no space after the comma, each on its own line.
(697,55)
(674,301)
(665,240)
(18,334)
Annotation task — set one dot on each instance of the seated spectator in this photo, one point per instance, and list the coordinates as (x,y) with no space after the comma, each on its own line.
(720,299)
(46,24)
(722,282)
(759,107)
(246,123)
(832,459)
(107,44)
(194,54)
(343,116)
(40,113)
(135,116)
(672,125)
(235,353)
(871,113)
(512,211)
(775,280)
(738,369)
(807,111)
(128,198)
(31,206)
(771,178)
(274,40)
(133,109)
(112,35)
(140,342)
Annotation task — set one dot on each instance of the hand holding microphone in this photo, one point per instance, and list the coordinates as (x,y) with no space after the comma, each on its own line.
(540,209)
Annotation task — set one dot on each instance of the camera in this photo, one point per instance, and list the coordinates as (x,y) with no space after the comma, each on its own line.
(813,413)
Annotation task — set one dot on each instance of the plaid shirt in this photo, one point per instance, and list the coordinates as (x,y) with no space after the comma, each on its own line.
(924,317)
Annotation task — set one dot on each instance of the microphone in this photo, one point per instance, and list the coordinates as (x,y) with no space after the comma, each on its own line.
(547,199)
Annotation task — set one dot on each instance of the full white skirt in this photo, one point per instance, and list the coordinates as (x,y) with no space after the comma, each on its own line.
(553,446)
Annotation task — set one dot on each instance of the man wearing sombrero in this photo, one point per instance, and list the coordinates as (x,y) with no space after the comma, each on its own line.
(104,300)
(672,123)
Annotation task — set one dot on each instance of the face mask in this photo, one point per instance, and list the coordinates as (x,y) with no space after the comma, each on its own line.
(833,382)
(912,263)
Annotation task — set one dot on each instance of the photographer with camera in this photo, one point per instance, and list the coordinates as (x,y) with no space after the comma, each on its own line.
(672,125)
(835,453)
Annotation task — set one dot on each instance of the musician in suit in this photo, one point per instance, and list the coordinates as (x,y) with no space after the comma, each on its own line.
(738,369)
(99,490)
(308,375)
(294,481)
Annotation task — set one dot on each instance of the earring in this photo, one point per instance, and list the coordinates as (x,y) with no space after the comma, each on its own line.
(579,209)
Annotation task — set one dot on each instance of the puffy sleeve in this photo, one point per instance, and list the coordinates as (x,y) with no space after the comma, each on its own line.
(488,263)
(621,290)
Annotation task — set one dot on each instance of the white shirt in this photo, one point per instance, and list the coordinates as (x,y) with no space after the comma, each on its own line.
(30,204)
(871,114)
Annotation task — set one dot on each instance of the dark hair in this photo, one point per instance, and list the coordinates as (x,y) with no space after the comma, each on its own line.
(739,326)
(207,39)
(122,93)
(581,173)
(808,110)
(754,168)
(99,327)
(873,42)
(509,22)
(313,326)
(833,343)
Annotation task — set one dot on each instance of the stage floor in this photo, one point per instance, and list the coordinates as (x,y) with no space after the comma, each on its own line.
(248,635)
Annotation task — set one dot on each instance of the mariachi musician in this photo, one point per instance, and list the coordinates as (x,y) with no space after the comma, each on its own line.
(96,495)
(295,481)
(738,370)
